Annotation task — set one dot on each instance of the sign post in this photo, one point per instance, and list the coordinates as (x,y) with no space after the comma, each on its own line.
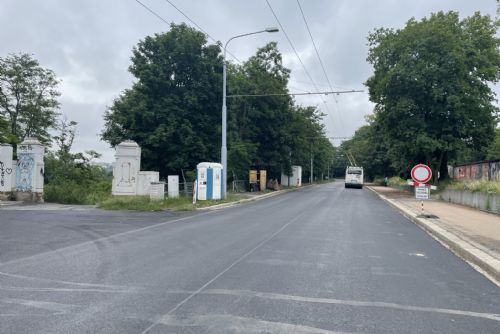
(421,174)
(422,192)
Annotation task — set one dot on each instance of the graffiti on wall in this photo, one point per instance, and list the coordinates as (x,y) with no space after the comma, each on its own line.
(484,170)
(3,172)
(24,173)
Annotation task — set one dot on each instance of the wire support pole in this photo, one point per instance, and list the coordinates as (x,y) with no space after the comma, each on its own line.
(295,94)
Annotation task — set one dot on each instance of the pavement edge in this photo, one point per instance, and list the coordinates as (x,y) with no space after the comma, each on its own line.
(465,249)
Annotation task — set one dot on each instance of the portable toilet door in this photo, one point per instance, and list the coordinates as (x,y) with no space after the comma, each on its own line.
(210,182)
(202,182)
(217,183)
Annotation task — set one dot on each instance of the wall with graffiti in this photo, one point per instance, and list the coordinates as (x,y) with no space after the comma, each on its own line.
(483,170)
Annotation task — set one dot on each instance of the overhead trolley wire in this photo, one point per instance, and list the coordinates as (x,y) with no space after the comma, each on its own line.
(293,94)
(291,45)
(152,12)
(297,55)
(188,18)
(320,61)
(197,26)
(314,45)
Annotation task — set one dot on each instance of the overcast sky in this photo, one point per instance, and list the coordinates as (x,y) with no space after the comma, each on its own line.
(88,45)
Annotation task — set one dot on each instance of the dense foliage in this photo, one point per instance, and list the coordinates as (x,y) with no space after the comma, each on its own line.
(271,132)
(28,99)
(494,149)
(70,177)
(431,87)
(173,110)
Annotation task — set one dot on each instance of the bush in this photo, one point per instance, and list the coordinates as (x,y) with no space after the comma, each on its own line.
(396,181)
(143,203)
(70,192)
(476,186)
(71,179)
(379,181)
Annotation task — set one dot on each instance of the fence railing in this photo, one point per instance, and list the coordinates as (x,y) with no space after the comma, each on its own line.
(185,189)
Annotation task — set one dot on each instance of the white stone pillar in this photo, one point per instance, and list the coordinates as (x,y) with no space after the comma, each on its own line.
(126,169)
(6,170)
(30,171)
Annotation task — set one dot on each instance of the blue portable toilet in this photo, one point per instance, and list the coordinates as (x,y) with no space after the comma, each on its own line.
(208,181)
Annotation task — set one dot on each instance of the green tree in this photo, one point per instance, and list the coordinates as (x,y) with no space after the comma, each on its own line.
(4,129)
(257,125)
(28,98)
(173,109)
(71,177)
(431,88)
(269,131)
(494,149)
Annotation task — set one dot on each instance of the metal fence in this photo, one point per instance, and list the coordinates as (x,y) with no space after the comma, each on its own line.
(482,170)
(185,189)
(239,186)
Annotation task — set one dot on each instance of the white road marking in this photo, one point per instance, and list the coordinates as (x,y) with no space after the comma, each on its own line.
(226,323)
(48,280)
(241,258)
(27,289)
(58,308)
(90,242)
(417,254)
(125,291)
(279,262)
(276,296)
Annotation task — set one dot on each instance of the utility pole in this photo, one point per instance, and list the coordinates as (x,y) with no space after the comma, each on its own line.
(223,151)
(312,172)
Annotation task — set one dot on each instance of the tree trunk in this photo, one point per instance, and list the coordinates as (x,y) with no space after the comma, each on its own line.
(443,168)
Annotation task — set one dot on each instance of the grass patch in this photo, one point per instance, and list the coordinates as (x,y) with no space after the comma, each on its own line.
(396,181)
(70,192)
(143,203)
(492,187)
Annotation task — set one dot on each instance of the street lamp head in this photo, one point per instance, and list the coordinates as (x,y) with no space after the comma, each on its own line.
(272,29)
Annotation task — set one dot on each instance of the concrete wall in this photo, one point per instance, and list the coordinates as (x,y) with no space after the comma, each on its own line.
(478,200)
(145,180)
(484,170)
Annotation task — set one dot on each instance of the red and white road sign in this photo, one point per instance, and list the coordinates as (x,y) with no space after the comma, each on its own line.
(421,173)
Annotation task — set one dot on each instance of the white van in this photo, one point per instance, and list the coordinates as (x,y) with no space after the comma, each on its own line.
(354,177)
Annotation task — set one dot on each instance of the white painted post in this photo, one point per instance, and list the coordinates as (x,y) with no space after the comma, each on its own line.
(173,186)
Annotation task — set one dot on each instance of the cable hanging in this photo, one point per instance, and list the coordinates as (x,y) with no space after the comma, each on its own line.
(189,19)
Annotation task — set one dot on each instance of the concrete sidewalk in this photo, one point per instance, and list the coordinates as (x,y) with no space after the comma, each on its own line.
(471,234)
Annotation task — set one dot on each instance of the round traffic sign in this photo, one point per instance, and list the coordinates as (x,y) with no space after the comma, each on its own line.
(421,173)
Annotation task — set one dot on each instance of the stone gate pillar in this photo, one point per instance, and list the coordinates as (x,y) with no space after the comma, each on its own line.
(126,169)
(30,171)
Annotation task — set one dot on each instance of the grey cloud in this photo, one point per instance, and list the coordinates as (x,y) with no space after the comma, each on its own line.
(88,44)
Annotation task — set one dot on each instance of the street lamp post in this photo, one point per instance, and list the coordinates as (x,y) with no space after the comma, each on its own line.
(223,152)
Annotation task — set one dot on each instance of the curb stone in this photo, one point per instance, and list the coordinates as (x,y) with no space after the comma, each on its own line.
(464,248)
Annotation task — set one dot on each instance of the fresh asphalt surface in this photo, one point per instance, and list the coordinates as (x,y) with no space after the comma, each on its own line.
(322,259)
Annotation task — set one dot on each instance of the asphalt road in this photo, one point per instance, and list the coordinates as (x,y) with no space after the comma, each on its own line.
(320,260)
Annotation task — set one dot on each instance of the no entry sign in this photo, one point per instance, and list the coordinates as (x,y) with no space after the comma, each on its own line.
(421,173)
